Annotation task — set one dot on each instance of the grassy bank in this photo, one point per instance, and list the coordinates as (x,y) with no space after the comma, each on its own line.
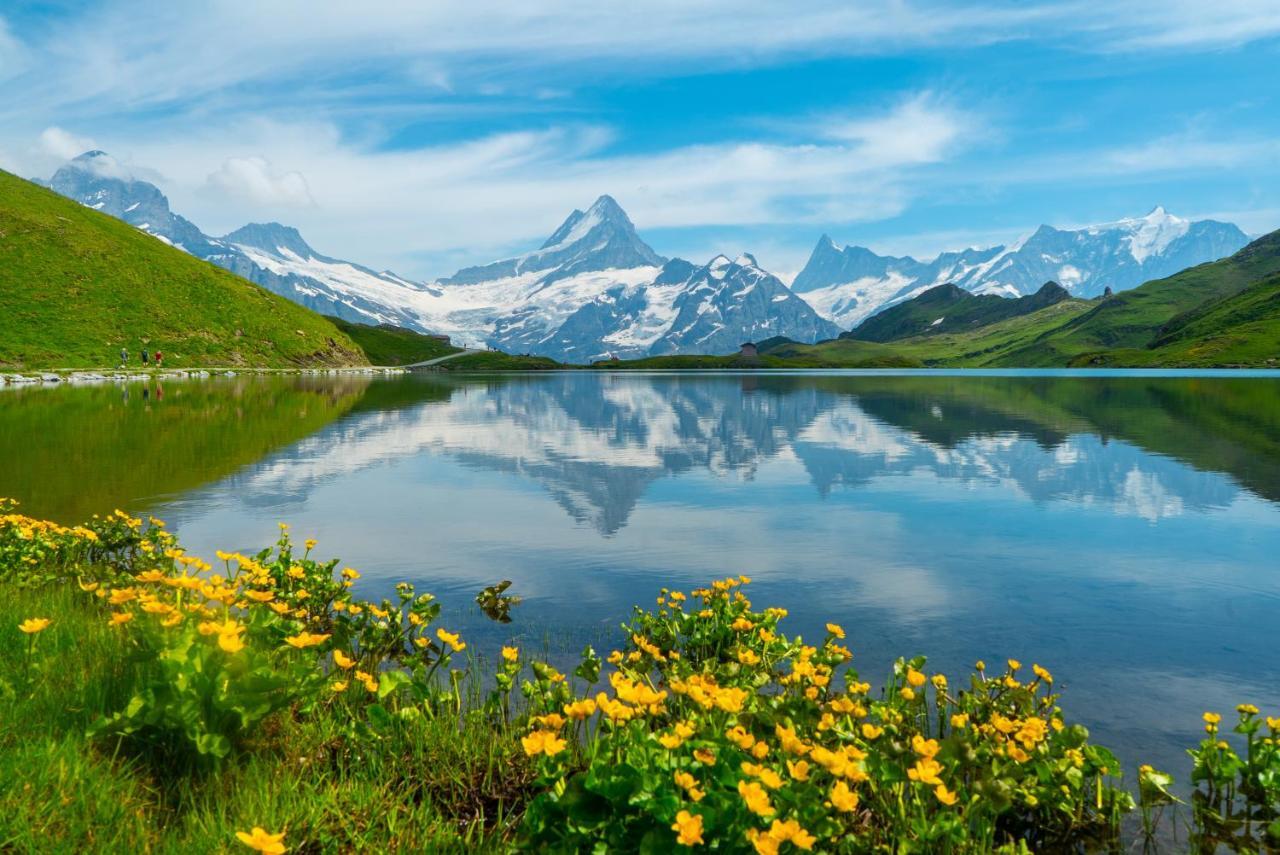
(152,702)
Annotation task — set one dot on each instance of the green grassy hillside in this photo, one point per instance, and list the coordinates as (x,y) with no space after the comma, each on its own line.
(987,346)
(390,345)
(1240,330)
(949,309)
(76,286)
(1134,320)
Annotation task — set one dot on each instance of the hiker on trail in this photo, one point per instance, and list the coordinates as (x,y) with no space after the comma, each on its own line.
(124,357)
(159,358)
(144,356)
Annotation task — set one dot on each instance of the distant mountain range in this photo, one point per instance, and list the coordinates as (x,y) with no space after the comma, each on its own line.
(595,289)
(850,284)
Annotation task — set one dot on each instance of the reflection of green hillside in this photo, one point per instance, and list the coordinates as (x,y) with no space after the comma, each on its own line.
(71,452)
(1221,424)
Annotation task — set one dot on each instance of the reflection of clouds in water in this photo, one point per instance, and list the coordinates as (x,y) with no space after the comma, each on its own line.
(1144,495)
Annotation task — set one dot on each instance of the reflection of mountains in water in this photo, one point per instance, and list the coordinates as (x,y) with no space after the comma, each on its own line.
(596,442)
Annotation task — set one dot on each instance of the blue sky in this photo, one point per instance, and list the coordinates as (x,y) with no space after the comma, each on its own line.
(421,137)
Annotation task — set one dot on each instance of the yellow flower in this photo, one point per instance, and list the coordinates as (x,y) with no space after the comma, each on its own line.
(870,731)
(690,785)
(763,843)
(338,686)
(1246,709)
(1273,722)
(173,619)
(260,841)
(121,618)
(367,681)
(791,830)
(755,798)
(1042,673)
(944,795)
(1014,664)
(230,642)
(542,742)
(926,771)
(451,639)
(342,660)
(307,639)
(959,720)
(261,596)
(310,543)
(579,710)
(836,630)
(843,798)
(511,654)
(908,694)
(748,656)
(705,756)
(915,678)
(689,828)
(350,573)
(739,736)
(33,625)
(980,665)
(1212,718)
(799,769)
(670,741)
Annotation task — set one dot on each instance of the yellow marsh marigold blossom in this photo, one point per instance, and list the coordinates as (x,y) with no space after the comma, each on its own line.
(959,720)
(799,770)
(870,731)
(944,795)
(511,654)
(1042,673)
(121,618)
(689,784)
(689,828)
(836,630)
(705,756)
(1014,664)
(747,656)
(33,625)
(792,831)
(762,842)
(367,681)
(173,620)
(542,742)
(310,543)
(670,741)
(843,798)
(338,686)
(350,573)
(261,596)
(342,660)
(755,798)
(1273,723)
(908,694)
(451,639)
(741,625)
(307,639)
(230,642)
(926,771)
(579,710)
(261,841)
(915,678)
(1247,709)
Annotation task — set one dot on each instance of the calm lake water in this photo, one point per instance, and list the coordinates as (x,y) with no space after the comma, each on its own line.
(1123,531)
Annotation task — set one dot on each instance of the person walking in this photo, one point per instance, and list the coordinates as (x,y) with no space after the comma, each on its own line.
(144,357)
(124,357)
(159,358)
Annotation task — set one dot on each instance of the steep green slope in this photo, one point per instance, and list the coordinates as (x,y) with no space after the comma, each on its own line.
(76,286)
(950,309)
(1240,330)
(391,345)
(1133,320)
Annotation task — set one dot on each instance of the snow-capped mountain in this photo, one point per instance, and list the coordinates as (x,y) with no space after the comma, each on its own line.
(271,255)
(849,284)
(594,289)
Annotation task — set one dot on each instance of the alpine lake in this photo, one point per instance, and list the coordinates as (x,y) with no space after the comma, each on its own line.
(1120,529)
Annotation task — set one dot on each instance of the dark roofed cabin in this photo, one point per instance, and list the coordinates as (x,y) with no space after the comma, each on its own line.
(748,349)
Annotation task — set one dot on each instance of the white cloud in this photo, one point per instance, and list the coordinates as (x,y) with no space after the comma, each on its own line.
(64,145)
(252,179)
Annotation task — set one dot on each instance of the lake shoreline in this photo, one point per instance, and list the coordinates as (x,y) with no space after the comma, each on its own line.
(85,377)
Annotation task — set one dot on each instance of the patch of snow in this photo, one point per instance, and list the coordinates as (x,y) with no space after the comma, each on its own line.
(937,321)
